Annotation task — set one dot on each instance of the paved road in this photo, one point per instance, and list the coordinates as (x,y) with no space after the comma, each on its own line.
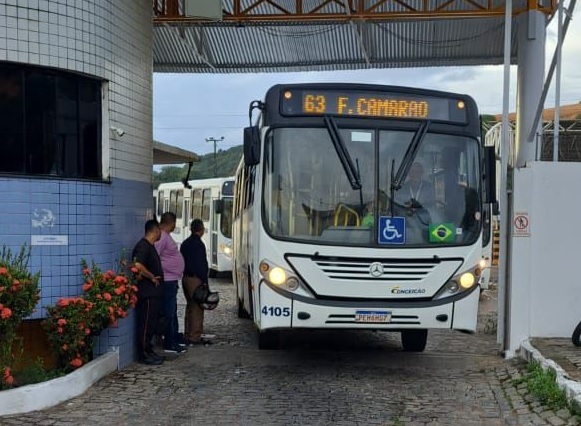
(319,378)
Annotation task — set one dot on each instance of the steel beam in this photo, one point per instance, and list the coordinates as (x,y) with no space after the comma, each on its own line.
(276,11)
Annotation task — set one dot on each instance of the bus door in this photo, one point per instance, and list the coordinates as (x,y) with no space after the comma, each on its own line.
(214,228)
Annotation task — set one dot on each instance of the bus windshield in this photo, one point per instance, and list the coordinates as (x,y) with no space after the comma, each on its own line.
(308,196)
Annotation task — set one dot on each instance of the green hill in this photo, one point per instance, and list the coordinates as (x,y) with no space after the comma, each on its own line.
(226,163)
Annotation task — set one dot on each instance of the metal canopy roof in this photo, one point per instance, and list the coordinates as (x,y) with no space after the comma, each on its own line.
(168,154)
(308,35)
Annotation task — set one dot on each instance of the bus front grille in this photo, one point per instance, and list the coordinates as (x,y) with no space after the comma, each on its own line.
(383,270)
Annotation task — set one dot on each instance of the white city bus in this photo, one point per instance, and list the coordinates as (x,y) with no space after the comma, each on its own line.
(206,199)
(327,230)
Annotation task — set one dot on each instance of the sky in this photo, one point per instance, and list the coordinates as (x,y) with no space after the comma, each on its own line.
(188,109)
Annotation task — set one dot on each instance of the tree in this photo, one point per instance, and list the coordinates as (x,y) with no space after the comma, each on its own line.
(226,160)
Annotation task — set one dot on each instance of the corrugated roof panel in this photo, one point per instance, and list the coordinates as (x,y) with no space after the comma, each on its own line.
(390,44)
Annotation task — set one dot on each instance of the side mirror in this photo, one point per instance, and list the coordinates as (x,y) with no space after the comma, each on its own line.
(251,146)
(490,174)
(218,206)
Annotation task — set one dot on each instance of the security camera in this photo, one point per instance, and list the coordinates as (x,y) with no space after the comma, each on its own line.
(119,132)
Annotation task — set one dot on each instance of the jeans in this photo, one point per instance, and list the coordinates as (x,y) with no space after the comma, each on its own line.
(170,307)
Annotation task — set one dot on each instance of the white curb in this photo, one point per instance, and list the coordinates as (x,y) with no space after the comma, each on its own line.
(572,388)
(50,393)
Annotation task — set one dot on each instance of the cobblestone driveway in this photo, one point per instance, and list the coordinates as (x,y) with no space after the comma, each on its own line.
(319,378)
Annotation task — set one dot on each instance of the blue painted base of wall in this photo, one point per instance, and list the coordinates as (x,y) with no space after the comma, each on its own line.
(91,220)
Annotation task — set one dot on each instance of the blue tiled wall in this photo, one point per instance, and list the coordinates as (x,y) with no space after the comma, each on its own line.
(99,219)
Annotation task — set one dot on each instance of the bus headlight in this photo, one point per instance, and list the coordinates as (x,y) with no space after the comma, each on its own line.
(467,280)
(459,283)
(226,249)
(279,276)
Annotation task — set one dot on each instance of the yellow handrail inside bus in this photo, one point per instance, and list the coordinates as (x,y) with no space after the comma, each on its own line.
(345,213)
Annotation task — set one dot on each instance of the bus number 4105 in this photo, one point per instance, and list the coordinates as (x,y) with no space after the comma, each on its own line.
(275,311)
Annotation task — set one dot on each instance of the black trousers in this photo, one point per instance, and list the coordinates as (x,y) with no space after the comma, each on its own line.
(147,310)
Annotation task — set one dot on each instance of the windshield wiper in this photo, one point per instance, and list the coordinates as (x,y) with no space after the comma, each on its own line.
(409,156)
(398,177)
(346,161)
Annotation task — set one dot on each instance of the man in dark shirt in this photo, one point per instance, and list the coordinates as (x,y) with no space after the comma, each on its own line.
(195,274)
(149,292)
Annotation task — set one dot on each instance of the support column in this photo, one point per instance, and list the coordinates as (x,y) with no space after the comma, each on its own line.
(530,79)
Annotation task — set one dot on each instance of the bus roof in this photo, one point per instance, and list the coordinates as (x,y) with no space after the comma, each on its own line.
(196,183)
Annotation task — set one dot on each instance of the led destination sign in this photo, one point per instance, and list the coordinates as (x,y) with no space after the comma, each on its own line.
(373,105)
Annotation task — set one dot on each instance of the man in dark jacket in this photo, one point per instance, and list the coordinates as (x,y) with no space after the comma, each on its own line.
(195,274)
(149,292)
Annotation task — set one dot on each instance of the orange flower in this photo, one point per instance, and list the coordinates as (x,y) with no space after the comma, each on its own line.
(77,362)
(107,296)
(87,331)
(134,270)
(9,380)
(65,347)
(61,322)
(119,290)
(119,279)
(60,330)
(87,286)
(5,313)
(63,302)
(87,271)
(3,271)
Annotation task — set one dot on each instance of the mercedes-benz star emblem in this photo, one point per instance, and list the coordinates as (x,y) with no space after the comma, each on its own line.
(376,269)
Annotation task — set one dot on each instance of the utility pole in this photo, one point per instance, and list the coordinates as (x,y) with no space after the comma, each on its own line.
(215,141)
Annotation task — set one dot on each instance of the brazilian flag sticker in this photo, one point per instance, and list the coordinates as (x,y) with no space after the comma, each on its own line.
(442,233)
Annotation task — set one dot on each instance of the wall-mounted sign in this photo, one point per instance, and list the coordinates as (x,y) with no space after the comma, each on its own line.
(49,240)
(521,225)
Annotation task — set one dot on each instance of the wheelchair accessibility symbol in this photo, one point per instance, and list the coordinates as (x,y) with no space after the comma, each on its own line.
(391,230)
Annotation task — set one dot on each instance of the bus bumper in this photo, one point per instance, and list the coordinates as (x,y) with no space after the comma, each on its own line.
(279,311)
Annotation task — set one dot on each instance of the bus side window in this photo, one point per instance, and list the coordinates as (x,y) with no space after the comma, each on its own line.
(173,200)
(160,199)
(197,204)
(249,186)
(179,203)
(206,200)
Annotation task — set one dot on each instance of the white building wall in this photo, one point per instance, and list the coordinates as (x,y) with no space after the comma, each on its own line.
(546,289)
(109,39)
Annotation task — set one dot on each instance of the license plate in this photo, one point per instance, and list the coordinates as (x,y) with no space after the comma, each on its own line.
(374,317)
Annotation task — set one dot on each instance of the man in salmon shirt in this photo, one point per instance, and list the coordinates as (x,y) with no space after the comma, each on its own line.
(172,263)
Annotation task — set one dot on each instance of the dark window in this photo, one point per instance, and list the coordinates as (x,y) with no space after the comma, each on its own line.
(51,123)
(160,203)
(228,187)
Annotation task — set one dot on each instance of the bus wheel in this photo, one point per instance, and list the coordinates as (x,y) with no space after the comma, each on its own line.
(414,340)
(269,339)
(241,311)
